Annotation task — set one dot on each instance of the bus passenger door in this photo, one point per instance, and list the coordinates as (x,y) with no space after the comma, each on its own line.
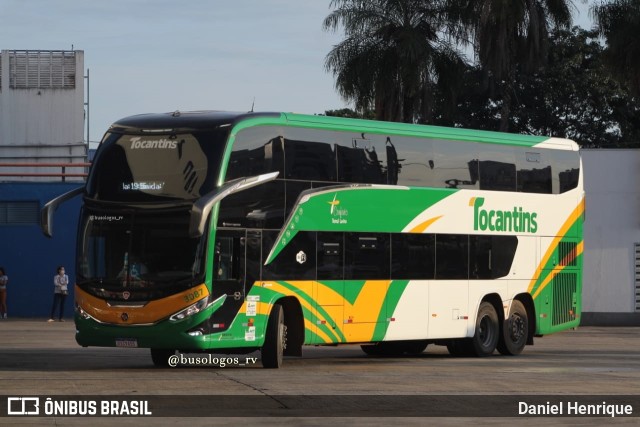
(233,273)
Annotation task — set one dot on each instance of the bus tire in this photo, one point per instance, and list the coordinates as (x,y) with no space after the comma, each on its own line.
(372,350)
(487,333)
(415,348)
(515,330)
(160,356)
(275,341)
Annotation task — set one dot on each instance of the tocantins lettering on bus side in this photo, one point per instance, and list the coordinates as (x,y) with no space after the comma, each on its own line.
(139,143)
(515,220)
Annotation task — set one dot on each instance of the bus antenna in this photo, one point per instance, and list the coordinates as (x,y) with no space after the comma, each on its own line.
(253,104)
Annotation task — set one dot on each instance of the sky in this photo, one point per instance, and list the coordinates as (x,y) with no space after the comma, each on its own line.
(149,56)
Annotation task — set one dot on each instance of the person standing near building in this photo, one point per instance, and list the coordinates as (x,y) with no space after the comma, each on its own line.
(61,289)
(3,293)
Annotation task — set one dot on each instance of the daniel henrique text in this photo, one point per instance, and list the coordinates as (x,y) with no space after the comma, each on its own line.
(574,408)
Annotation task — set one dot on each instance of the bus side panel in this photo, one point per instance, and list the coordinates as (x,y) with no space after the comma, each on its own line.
(365,306)
(324,319)
(323,324)
(448,308)
(249,325)
(409,318)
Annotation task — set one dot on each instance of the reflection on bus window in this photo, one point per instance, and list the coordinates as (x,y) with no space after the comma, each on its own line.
(151,250)
(451,256)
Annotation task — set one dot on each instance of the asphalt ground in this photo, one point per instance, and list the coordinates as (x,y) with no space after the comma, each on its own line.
(328,385)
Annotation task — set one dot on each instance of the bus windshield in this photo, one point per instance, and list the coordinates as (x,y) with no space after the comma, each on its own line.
(148,254)
(156,167)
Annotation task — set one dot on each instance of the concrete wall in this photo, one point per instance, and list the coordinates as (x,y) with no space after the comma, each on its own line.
(30,258)
(41,124)
(612,186)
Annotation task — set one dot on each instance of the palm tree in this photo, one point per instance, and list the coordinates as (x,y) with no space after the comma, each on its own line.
(391,54)
(511,34)
(618,22)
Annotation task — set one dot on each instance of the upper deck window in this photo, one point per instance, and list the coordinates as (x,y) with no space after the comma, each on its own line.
(156,167)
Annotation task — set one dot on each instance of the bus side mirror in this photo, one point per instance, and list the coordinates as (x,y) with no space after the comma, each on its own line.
(202,207)
(46,214)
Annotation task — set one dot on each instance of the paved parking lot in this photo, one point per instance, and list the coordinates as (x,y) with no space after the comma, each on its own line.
(39,358)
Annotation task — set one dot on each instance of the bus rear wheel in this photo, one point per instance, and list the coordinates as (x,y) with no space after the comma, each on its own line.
(515,330)
(487,333)
(160,356)
(275,342)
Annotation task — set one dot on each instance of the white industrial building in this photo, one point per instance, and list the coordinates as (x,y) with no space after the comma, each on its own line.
(611,290)
(41,111)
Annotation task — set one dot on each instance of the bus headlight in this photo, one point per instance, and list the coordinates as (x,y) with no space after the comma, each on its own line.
(83,313)
(190,311)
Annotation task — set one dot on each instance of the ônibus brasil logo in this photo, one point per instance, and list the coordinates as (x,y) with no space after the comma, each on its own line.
(515,220)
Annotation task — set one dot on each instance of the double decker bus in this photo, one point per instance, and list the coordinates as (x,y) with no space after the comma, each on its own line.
(226,232)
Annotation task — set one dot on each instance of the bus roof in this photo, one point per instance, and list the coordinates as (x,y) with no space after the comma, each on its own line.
(239,120)
(429,131)
(194,120)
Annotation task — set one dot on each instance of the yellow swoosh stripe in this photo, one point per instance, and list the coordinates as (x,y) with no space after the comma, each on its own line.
(275,286)
(555,272)
(554,244)
(364,312)
(423,226)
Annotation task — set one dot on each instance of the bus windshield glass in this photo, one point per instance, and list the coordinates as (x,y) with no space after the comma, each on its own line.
(148,254)
(156,167)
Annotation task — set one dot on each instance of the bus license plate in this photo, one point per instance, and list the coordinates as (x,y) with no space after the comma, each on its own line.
(126,342)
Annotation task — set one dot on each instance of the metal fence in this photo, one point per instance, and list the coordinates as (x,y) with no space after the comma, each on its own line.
(44,170)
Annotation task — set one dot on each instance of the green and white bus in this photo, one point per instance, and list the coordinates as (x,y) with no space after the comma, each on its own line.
(224,232)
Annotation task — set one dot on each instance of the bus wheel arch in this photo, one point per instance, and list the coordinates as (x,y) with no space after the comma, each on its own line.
(486,330)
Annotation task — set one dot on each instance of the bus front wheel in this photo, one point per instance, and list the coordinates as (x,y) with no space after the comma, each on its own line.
(160,356)
(487,333)
(515,330)
(275,342)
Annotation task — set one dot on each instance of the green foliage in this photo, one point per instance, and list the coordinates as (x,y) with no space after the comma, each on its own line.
(350,114)
(574,96)
(618,21)
(511,37)
(390,56)
(559,83)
